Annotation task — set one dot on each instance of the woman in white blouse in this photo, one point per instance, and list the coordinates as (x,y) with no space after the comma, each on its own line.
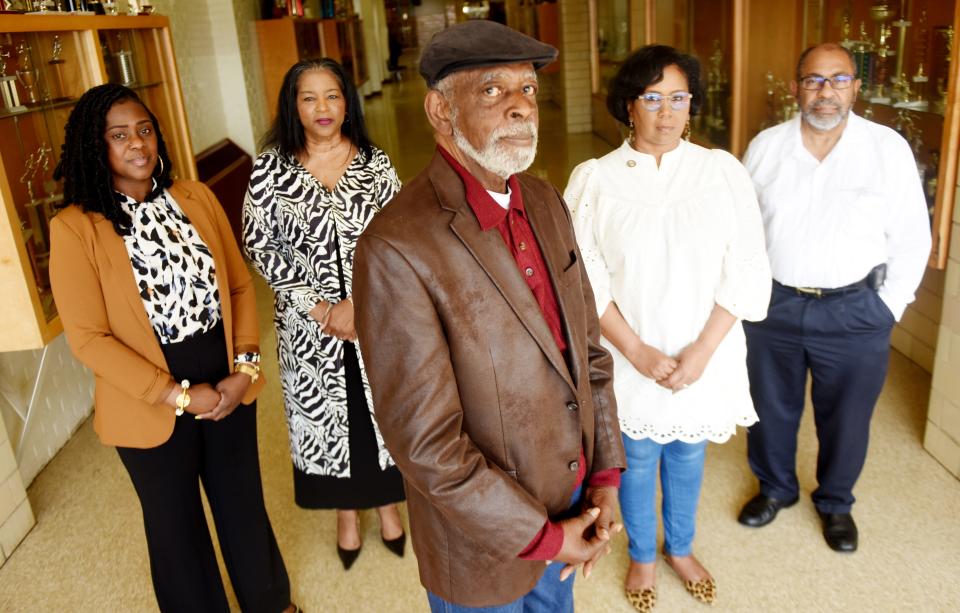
(672,239)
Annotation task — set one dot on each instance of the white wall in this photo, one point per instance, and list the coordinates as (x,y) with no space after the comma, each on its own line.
(64,398)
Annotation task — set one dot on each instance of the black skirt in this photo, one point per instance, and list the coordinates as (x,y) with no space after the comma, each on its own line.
(367,486)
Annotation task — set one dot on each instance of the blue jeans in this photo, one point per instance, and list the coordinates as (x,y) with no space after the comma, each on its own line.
(681,474)
(549,595)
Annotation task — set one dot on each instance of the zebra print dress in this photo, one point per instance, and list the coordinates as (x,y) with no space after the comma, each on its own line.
(299,237)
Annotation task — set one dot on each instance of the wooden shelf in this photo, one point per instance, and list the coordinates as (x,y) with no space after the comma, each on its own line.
(39,108)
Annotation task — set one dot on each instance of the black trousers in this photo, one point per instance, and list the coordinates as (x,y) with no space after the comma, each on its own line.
(223,456)
(843,340)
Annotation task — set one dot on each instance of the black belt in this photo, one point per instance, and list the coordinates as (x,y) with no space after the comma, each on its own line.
(873,280)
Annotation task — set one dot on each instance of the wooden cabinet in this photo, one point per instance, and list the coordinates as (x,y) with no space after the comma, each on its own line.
(749,48)
(48,62)
(286,41)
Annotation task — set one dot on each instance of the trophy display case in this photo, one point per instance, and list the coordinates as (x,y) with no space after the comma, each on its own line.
(904,51)
(46,63)
(908,67)
(906,61)
(703,28)
(617,28)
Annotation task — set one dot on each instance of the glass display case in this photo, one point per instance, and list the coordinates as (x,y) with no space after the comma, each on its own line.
(907,64)
(905,55)
(618,27)
(46,63)
(703,28)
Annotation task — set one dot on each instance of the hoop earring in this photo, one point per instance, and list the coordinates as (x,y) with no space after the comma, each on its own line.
(686,131)
(160,158)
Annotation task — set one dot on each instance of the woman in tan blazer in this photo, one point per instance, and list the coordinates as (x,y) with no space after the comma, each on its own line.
(156,300)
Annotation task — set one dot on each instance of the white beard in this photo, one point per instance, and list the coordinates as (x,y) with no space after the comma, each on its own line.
(824,124)
(502,160)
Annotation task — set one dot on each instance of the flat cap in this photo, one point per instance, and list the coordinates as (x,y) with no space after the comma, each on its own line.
(478,43)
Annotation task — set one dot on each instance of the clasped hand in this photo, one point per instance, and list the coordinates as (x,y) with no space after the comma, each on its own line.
(586,537)
(337,321)
(672,373)
(213,402)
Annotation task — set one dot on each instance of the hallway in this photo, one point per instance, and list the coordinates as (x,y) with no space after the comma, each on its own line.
(87,551)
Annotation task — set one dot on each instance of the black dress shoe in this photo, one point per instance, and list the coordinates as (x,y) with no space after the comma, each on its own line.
(396,545)
(761,510)
(840,531)
(348,556)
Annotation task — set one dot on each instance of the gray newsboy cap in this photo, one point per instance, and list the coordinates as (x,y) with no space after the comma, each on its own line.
(477,43)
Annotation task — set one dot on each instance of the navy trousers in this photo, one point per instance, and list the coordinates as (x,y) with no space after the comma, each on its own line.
(843,340)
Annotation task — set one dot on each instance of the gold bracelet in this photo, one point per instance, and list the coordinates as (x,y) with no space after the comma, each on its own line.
(183,399)
(250,369)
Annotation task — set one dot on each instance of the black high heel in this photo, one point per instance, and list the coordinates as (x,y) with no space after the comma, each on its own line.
(348,556)
(396,545)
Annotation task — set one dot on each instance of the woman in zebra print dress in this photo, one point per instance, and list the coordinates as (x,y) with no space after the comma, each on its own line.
(313,191)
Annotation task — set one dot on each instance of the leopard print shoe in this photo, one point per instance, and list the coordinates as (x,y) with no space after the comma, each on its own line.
(704,590)
(643,600)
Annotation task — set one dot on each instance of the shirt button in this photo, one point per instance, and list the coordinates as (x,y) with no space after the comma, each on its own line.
(573,466)
(572,406)
(523,246)
(528,272)
(631,163)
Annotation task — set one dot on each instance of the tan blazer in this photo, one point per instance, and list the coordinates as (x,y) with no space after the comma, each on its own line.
(482,413)
(107,326)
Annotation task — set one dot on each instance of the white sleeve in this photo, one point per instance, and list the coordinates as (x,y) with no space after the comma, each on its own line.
(744,287)
(908,232)
(581,197)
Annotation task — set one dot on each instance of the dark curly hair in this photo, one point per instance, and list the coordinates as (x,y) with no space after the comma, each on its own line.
(643,68)
(286,133)
(84,166)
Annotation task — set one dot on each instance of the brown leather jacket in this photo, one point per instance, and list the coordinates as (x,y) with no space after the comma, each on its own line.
(473,398)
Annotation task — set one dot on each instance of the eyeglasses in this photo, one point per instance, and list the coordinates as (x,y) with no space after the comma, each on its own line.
(653,101)
(816,82)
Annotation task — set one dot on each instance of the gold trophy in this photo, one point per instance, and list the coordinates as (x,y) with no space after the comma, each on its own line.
(716,86)
(903,94)
(26,73)
(943,82)
(8,86)
(58,87)
(862,50)
(920,78)
(880,95)
(901,24)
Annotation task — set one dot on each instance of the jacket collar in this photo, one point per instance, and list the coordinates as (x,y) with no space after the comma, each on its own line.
(494,258)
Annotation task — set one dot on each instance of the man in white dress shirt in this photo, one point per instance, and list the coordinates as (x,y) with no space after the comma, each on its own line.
(848,238)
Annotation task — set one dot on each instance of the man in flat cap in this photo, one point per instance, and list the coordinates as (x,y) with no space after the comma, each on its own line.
(481,342)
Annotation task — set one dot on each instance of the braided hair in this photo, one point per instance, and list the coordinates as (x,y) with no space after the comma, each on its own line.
(84,166)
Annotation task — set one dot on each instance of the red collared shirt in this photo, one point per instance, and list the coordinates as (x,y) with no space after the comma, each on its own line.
(518,235)
(516,232)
